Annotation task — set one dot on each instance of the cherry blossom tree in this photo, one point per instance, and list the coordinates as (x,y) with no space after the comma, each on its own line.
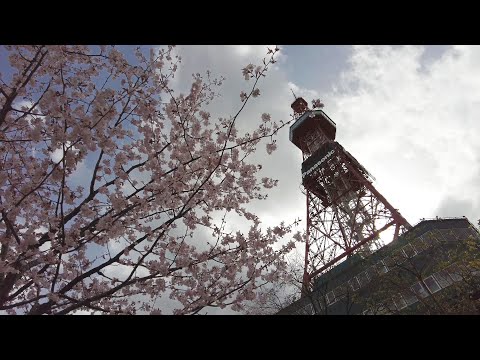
(149,221)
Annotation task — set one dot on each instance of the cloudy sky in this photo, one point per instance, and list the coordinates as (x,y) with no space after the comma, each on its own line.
(407,113)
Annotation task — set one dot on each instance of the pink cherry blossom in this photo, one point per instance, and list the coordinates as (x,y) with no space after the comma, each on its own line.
(316,103)
(243,96)
(265,117)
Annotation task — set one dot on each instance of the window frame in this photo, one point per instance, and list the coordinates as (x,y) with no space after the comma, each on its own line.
(443,278)
(389,263)
(372,272)
(309,309)
(431,277)
(439,235)
(320,303)
(367,312)
(363,275)
(418,294)
(380,265)
(342,290)
(462,234)
(409,246)
(399,257)
(449,235)
(429,241)
(352,281)
(401,301)
(333,301)
(455,272)
(409,297)
(419,245)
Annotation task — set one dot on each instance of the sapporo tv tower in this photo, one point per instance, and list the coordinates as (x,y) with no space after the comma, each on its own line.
(345,213)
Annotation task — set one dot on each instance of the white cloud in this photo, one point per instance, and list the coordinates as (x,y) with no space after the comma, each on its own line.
(56,155)
(307,94)
(246,50)
(416,131)
(47,245)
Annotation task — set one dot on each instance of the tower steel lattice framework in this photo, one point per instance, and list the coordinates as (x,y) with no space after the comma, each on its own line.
(345,213)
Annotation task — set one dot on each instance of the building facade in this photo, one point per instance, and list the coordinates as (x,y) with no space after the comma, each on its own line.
(433,268)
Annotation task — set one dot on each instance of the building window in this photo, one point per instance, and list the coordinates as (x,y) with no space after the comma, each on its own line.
(363,278)
(443,278)
(330,298)
(323,302)
(371,272)
(398,258)
(354,284)
(419,245)
(367,312)
(438,235)
(448,235)
(382,310)
(455,272)
(409,251)
(431,284)
(400,302)
(462,234)
(309,309)
(409,297)
(381,267)
(319,303)
(391,307)
(340,292)
(389,263)
(419,290)
(429,239)
(306,310)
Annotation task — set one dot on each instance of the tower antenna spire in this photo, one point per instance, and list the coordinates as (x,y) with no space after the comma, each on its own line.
(295,96)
